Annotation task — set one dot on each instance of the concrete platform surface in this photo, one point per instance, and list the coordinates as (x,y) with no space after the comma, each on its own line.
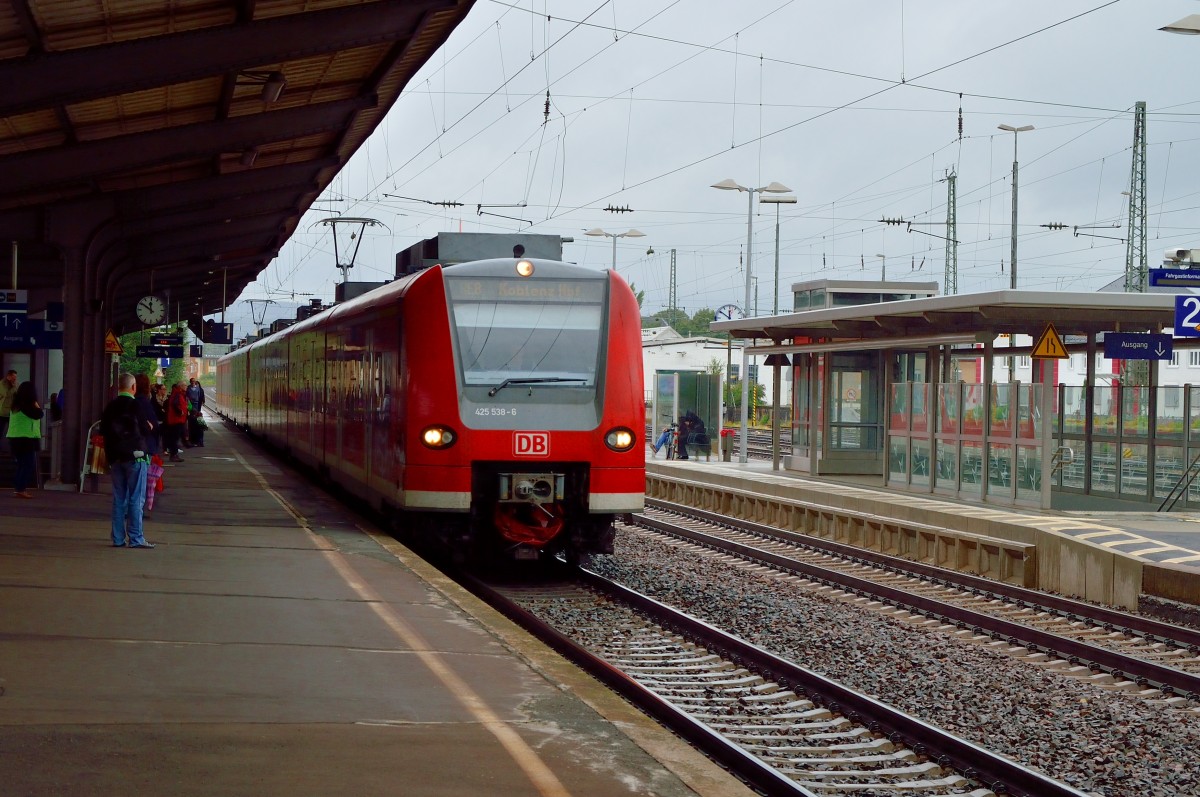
(274,644)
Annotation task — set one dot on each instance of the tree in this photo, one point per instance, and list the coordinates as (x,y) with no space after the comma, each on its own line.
(640,295)
(692,326)
(131,363)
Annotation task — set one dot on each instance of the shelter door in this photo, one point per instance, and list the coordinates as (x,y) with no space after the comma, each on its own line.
(854,403)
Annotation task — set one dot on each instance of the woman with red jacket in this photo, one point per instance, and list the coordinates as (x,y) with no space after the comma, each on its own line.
(177,415)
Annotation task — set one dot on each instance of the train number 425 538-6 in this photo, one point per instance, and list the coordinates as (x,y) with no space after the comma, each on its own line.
(496,411)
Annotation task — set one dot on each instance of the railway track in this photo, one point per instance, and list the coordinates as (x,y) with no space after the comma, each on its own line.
(780,727)
(1114,650)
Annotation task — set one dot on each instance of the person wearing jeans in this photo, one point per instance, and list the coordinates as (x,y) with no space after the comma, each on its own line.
(125,425)
(129,495)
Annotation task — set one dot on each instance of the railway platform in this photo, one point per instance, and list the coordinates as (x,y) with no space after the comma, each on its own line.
(1105,556)
(273,643)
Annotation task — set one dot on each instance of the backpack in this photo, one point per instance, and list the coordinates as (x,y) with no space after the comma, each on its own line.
(122,431)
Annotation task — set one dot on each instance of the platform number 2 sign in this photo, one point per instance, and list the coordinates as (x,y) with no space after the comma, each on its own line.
(1187,316)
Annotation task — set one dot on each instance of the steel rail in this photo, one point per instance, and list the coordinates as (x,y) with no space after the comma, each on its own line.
(996,772)
(1104,616)
(737,760)
(1168,679)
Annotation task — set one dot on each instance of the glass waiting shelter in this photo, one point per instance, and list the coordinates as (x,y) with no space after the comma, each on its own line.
(901,388)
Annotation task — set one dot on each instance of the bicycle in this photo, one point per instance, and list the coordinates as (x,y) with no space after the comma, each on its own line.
(672,432)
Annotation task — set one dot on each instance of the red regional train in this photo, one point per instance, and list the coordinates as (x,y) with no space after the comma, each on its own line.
(495,406)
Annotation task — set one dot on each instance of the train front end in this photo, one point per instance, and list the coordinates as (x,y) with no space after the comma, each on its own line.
(548,370)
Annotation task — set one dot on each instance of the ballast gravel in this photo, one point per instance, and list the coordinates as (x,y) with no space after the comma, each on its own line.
(1102,743)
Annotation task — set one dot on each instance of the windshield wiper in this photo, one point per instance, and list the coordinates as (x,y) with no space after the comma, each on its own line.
(533,380)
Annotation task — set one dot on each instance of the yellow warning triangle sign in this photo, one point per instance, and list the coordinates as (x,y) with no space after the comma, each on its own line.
(1049,346)
(111,344)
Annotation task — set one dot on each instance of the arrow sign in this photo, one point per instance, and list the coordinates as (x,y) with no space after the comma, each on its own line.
(1137,346)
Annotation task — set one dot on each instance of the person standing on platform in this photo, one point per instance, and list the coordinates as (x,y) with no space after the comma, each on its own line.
(149,418)
(25,437)
(8,388)
(195,397)
(177,415)
(125,448)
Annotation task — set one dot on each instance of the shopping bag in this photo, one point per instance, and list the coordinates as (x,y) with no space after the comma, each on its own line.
(97,461)
(153,480)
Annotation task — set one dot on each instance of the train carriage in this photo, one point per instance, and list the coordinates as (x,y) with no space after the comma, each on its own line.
(496,405)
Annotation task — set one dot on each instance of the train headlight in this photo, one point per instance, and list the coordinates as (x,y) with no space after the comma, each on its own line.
(525,268)
(619,439)
(438,437)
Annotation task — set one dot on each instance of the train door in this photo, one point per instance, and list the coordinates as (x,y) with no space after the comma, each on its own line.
(330,448)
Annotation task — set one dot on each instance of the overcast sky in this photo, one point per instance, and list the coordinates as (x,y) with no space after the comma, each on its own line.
(853,105)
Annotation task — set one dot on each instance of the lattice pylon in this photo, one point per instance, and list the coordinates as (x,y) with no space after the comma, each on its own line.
(1136,273)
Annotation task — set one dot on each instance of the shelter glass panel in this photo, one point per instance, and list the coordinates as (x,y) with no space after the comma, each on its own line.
(1029,416)
(1002,410)
(1135,404)
(972,469)
(898,417)
(1169,466)
(820,362)
(1104,467)
(920,405)
(948,404)
(1029,473)
(973,410)
(1134,470)
(1104,409)
(947,464)
(1194,416)
(920,461)
(802,412)
(1000,469)
(898,460)
(665,400)
(1169,423)
(853,299)
(1073,406)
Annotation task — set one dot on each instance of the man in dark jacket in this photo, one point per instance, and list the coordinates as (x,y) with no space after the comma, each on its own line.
(691,427)
(124,432)
(196,426)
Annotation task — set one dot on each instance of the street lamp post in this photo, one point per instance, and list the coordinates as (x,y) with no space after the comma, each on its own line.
(882,268)
(1012,260)
(773,188)
(776,201)
(596,231)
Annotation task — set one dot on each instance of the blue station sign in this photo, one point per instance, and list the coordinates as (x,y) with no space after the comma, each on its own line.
(1187,316)
(160,352)
(1137,346)
(1174,277)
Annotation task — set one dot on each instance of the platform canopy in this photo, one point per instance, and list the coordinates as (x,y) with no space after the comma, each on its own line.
(961,318)
(175,144)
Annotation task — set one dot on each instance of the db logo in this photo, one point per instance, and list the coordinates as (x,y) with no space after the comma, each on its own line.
(531,444)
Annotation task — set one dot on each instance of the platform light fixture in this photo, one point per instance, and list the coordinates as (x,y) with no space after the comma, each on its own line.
(770,188)
(1012,260)
(273,83)
(1188,26)
(597,232)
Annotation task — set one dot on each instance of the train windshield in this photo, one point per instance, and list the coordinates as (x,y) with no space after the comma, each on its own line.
(546,331)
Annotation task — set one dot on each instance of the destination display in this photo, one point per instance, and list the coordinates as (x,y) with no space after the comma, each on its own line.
(465,289)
